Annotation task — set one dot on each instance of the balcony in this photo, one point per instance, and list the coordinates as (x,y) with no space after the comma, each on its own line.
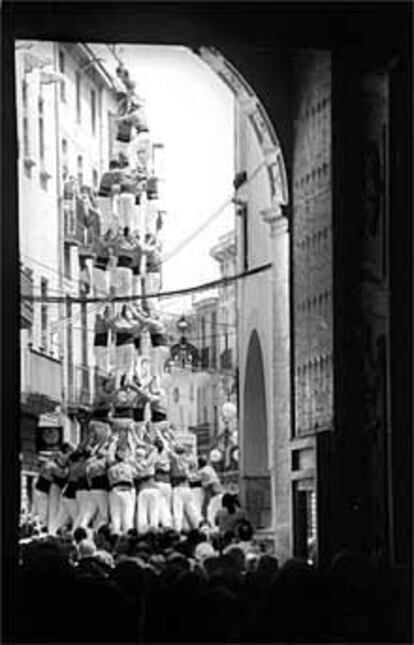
(42,377)
(73,221)
(79,392)
(69,224)
(26,290)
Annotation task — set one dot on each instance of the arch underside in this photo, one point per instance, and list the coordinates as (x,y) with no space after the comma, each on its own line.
(255,477)
(258,118)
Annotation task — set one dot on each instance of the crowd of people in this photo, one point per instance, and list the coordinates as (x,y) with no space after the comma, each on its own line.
(203,586)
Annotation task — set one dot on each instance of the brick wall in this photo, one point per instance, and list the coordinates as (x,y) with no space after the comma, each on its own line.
(312,242)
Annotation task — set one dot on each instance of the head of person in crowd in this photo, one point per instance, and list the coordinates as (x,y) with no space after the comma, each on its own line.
(244,531)
(204,550)
(79,534)
(86,549)
(235,556)
(230,503)
(202,461)
(267,566)
(159,444)
(122,452)
(205,528)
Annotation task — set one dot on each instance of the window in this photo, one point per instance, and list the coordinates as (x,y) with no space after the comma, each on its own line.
(69,346)
(65,166)
(95,178)
(80,170)
(245,239)
(62,71)
(67,262)
(214,339)
(78,97)
(84,345)
(24,94)
(93,111)
(111,133)
(26,136)
(203,332)
(43,314)
(41,130)
(215,421)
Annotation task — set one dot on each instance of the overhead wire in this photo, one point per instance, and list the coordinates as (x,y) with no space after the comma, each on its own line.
(159,295)
(177,249)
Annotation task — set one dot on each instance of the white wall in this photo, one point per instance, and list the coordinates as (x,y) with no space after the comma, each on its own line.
(38,223)
(254,293)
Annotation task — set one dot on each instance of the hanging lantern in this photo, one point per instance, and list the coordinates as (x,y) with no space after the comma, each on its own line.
(182,325)
(229,411)
(215,456)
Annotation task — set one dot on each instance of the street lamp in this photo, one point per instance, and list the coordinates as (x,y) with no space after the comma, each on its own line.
(183,353)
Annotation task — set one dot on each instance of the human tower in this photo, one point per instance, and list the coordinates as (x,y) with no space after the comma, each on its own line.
(129,470)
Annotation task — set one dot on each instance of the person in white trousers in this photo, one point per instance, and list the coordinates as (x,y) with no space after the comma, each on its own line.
(125,328)
(68,511)
(163,481)
(121,274)
(102,250)
(121,474)
(98,483)
(60,474)
(149,497)
(82,491)
(182,498)
(152,250)
(42,490)
(213,490)
(197,491)
(136,266)
(101,341)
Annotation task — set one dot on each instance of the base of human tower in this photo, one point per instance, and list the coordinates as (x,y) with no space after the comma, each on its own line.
(128,475)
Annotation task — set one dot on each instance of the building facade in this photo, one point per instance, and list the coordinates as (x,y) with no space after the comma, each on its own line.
(312,68)
(314,408)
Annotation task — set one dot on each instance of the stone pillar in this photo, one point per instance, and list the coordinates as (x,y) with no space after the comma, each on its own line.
(280,423)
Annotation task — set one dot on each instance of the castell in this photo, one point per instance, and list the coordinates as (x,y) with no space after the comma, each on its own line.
(130,470)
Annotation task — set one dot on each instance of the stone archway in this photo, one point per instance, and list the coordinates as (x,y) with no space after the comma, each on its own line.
(265,416)
(259,120)
(256,481)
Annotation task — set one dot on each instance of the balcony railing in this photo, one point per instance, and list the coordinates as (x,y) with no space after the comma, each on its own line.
(81,378)
(26,290)
(69,222)
(42,375)
(73,221)
(203,434)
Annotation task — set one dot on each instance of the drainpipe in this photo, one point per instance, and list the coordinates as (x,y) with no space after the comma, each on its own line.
(61,312)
